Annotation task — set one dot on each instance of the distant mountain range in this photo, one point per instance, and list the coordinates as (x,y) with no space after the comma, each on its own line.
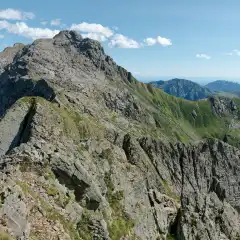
(183,88)
(193,91)
(224,86)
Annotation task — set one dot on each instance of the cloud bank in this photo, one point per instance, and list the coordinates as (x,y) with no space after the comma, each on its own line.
(158,40)
(87,30)
(234,52)
(22,29)
(121,41)
(203,56)
(13,14)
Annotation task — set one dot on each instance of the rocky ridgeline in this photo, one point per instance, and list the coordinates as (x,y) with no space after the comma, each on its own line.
(66,62)
(76,164)
(223,105)
(6,57)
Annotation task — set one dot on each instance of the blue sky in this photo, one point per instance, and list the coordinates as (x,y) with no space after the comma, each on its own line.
(154,39)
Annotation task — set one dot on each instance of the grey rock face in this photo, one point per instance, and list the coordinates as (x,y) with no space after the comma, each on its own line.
(13,127)
(67,61)
(8,54)
(223,106)
(75,165)
(14,212)
(205,185)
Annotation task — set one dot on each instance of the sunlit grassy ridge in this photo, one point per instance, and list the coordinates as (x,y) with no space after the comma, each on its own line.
(186,120)
(175,118)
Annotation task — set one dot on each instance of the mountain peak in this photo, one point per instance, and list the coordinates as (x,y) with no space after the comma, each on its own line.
(74,38)
(223,86)
(67,61)
(183,88)
(8,54)
(67,35)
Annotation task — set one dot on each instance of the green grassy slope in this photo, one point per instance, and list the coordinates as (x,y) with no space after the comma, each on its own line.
(175,118)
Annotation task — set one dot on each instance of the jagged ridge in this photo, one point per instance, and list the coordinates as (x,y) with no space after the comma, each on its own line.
(79,164)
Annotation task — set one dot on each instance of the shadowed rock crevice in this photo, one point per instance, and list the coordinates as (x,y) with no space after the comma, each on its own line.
(173,228)
(71,182)
(82,189)
(24,129)
(215,185)
(11,91)
(147,145)
(130,150)
(154,213)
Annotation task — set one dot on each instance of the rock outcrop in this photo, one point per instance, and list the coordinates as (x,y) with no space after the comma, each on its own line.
(223,106)
(87,152)
(8,54)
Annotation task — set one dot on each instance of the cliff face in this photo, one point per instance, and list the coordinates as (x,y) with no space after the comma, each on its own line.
(87,152)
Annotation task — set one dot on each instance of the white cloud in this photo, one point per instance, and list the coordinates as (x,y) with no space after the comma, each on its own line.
(96,36)
(121,41)
(44,23)
(92,28)
(158,40)
(22,29)
(1,36)
(13,14)
(56,22)
(101,33)
(204,56)
(150,41)
(234,52)
(164,41)
(88,30)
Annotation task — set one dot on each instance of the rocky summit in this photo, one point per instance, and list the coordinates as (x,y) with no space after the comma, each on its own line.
(88,152)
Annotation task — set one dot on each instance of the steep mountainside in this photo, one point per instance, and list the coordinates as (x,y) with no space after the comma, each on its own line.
(183,88)
(8,54)
(88,152)
(224,86)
